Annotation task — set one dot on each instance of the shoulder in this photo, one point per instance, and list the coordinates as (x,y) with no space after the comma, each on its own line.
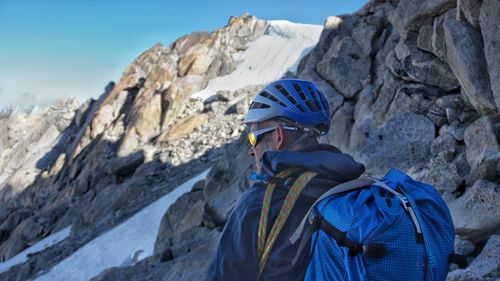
(250,201)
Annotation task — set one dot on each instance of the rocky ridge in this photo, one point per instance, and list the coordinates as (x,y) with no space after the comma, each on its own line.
(424,69)
(117,154)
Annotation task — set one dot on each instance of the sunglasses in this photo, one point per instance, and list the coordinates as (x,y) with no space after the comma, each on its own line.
(256,136)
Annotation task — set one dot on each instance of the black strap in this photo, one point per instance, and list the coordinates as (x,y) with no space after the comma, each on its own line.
(341,238)
(457,259)
(372,250)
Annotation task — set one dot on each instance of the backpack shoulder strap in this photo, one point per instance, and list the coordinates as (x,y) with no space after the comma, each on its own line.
(343,187)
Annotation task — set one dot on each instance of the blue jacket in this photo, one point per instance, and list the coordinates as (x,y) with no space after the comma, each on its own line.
(236,255)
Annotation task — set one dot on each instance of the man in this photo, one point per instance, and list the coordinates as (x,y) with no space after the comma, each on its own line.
(293,169)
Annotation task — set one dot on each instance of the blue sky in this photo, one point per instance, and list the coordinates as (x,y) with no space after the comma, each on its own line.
(50,49)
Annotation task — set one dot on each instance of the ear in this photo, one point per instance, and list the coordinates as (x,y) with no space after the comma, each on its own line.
(280,137)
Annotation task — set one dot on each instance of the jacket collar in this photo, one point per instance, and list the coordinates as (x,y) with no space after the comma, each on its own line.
(326,160)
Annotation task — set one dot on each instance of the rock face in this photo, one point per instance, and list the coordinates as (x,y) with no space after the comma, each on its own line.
(31,142)
(466,58)
(488,17)
(477,214)
(411,84)
(483,151)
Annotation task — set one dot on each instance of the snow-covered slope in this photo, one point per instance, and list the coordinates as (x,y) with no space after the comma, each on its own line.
(136,236)
(269,57)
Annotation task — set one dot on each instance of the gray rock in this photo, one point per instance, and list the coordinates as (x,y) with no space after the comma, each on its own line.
(456,109)
(226,181)
(462,275)
(360,132)
(451,115)
(455,129)
(438,41)
(361,128)
(471,9)
(10,248)
(30,230)
(483,150)
(487,264)
(384,97)
(363,35)
(412,64)
(345,66)
(4,213)
(424,39)
(444,143)
(410,146)
(440,173)
(191,239)
(61,114)
(341,124)
(463,246)
(476,214)
(194,265)
(125,165)
(307,66)
(409,98)
(489,19)
(486,166)
(437,115)
(390,39)
(466,59)
(409,14)
(185,213)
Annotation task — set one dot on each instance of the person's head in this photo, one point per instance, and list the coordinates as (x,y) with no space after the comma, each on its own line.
(286,115)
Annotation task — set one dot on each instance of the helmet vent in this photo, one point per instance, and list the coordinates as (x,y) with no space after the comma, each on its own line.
(312,103)
(272,98)
(257,105)
(299,91)
(290,97)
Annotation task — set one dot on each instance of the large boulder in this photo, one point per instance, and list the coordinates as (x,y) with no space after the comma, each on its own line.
(187,212)
(125,165)
(410,14)
(476,214)
(143,122)
(440,173)
(483,150)
(412,64)
(463,246)
(462,275)
(466,59)
(487,264)
(183,127)
(424,38)
(345,66)
(227,180)
(402,142)
(471,9)
(342,121)
(445,143)
(438,41)
(489,20)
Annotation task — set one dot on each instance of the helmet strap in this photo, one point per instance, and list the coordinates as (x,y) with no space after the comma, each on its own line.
(265,143)
(296,142)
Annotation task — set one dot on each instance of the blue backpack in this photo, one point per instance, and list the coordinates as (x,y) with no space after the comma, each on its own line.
(368,229)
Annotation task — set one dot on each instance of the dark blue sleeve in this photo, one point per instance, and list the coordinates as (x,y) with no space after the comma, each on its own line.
(236,255)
